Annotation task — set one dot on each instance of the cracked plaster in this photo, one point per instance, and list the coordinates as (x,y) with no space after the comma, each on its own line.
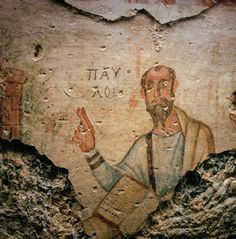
(161,11)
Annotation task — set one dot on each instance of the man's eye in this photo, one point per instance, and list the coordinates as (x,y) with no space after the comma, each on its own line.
(149,87)
(164,84)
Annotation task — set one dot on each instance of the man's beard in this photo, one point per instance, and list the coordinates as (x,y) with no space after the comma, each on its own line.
(160,111)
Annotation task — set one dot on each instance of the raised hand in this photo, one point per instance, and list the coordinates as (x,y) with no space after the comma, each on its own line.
(84,135)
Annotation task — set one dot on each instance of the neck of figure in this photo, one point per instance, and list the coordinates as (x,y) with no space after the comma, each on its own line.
(170,126)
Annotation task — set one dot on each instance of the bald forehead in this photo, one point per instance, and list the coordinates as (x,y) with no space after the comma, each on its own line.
(160,74)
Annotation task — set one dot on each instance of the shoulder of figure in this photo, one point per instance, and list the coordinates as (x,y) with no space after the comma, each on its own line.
(191,123)
(187,118)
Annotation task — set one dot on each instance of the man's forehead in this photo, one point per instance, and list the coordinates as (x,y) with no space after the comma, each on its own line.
(162,74)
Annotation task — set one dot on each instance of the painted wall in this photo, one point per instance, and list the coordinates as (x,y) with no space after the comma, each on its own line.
(74,54)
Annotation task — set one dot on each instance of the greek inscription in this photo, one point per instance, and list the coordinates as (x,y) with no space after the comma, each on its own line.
(115,71)
(92,74)
(106,73)
(96,92)
(107,92)
(100,75)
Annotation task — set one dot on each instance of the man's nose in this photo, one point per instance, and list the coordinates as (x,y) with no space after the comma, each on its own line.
(157,93)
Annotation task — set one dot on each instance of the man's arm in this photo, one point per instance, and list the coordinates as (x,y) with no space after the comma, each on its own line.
(106,175)
(84,137)
(133,164)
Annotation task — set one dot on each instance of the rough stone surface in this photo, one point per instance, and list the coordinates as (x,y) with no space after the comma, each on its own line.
(37,199)
(204,203)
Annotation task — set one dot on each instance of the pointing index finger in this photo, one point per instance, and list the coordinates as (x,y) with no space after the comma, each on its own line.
(84,119)
(89,124)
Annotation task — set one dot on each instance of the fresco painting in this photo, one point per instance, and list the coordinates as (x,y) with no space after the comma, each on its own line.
(128,97)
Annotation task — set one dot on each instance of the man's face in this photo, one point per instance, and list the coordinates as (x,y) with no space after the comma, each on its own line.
(159,95)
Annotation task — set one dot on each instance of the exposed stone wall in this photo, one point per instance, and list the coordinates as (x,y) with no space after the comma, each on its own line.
(37,199)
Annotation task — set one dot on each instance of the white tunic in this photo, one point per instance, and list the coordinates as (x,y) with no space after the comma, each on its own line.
(168,154)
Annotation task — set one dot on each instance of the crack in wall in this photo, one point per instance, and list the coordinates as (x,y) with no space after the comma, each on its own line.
(176,13)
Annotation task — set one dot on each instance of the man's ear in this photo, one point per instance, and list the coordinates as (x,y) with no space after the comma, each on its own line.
(175,86)
(142,92)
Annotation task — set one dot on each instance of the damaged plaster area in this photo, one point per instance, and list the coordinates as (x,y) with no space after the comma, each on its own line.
(39,201)
(162,11)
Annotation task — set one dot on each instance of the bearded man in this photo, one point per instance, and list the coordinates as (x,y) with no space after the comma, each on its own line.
(158,159)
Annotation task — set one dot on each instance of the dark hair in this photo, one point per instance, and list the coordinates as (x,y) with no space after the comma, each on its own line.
(158,68)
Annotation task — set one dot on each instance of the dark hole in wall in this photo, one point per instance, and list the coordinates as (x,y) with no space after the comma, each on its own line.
(38,49)
(193,178)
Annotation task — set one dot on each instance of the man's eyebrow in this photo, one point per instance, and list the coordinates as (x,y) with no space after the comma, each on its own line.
(150,82)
